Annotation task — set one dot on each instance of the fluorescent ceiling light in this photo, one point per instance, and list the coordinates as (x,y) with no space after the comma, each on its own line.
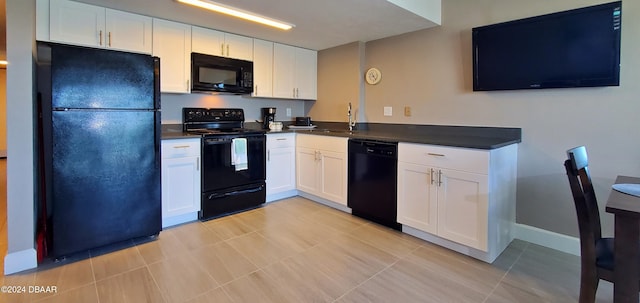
(216,7)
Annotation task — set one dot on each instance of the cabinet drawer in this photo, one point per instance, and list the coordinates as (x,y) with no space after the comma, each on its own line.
(176,148)
(318,142)
(463,159)
(281,140)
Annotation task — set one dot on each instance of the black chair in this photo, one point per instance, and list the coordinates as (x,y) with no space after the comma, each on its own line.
(596,252)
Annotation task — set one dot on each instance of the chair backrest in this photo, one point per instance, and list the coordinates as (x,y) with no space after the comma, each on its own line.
(584,197)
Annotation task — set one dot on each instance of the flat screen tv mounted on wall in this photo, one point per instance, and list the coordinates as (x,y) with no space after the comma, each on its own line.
(575,48)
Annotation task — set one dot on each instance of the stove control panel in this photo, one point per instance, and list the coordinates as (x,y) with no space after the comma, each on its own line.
(190,114)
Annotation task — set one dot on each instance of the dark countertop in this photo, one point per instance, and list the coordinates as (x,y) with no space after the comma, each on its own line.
(478,137)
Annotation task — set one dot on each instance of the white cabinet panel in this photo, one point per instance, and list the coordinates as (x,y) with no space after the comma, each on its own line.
(172,43)
(461,195)
(126,31)
(295,72)
(419,208)
(262,68)
(180,181)
(77,23)
(281,166)
(217,43)
(321,163)
(82,24)
(463,208)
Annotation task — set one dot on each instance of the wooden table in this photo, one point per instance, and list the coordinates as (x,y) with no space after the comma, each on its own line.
(626,209)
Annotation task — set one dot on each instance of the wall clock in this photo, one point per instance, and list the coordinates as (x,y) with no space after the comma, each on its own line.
(373,76)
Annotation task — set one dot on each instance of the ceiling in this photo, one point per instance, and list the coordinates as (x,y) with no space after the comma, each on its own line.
(319,24)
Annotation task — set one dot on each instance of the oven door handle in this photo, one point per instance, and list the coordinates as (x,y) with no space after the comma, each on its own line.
(235,193)
(216,141)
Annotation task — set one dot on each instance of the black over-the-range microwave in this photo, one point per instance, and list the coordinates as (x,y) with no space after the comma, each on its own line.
(220,74)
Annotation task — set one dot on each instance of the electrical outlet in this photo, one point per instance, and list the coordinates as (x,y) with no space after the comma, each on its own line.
(388,111)
(407,111)
(288,112)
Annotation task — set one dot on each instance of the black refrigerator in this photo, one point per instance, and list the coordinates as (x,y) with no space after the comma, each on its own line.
(100,146)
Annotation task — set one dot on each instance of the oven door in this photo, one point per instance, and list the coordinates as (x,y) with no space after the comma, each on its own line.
(217,171)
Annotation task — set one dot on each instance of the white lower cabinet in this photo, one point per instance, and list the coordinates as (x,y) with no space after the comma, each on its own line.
(459,198)
(281,166)
(180,181)
(321,167)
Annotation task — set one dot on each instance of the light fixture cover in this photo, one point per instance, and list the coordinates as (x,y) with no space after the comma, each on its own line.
(228,10)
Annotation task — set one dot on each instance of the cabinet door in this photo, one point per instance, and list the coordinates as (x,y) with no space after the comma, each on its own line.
(463,208)
(130,32)
(180,186)
(77,23)
(280,170)
(238,47)
(283,71)
(307,170)
(172,43)
(262,68)
(417,197)
(306,74)
(333,176)
(207,41)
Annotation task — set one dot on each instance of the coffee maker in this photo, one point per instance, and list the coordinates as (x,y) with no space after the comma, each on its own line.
(268,115)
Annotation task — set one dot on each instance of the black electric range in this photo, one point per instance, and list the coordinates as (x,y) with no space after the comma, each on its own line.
(233,160)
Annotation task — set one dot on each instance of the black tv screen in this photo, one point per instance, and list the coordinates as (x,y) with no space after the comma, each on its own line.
(575,48)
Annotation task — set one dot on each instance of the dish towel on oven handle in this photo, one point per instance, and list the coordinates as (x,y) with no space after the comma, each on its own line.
(629,189)
(239,154)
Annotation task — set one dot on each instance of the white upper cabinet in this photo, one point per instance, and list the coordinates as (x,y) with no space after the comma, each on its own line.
(127,31)
(284,61)
(294,72)
(88,25)
(212,42)
(172,43)
(262,68)
(306,74)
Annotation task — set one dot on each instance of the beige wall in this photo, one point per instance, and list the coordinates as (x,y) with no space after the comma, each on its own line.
(430,71)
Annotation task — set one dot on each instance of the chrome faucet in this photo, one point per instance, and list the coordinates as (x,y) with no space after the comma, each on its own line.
(352,122)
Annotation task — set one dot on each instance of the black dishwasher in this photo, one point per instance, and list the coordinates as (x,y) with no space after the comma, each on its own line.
(373,175)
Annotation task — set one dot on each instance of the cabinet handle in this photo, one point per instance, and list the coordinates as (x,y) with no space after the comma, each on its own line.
(109,39)
(297,93)
(431,175)
(222,49)
(268,155)
(281,139)
(181,146)
(256,92)
(439,177)
(435,155)
(100,37)
(227,50)
(294,92)
(198,164)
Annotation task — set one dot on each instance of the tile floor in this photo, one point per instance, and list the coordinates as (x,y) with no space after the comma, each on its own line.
(296,250)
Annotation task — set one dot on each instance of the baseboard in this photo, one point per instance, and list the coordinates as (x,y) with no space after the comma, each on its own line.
(324,201)
(281,195)
(181,219)
(20,261)
(564,243)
